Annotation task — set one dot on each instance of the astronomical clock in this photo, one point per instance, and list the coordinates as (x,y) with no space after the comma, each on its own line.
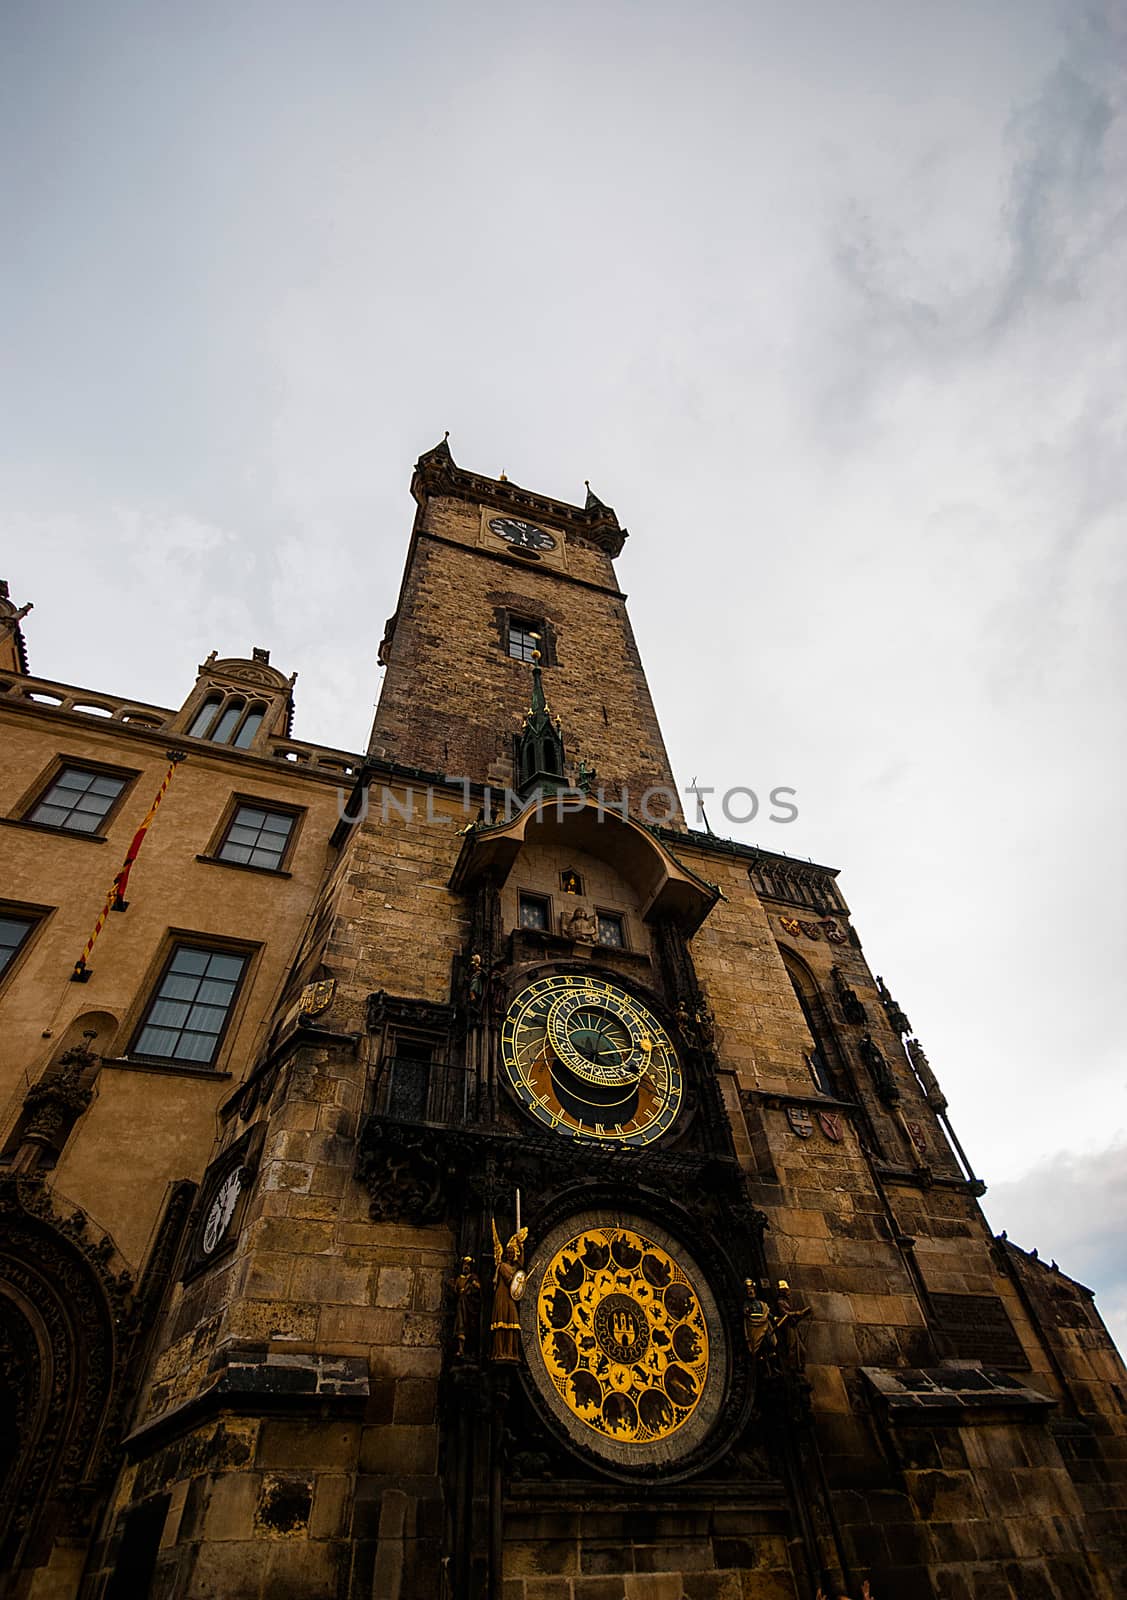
(623,1340)
(589,1061)
(621,1333)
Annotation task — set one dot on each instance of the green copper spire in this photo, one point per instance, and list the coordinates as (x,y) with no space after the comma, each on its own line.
(539,755)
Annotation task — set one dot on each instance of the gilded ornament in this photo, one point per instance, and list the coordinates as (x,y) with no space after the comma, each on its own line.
(316,997)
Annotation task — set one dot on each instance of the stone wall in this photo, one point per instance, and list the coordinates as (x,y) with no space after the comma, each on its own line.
(453,698)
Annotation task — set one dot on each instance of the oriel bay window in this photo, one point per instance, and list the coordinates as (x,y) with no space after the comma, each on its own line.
(188,1014)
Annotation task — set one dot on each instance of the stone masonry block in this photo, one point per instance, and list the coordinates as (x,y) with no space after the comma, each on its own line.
(272,1319)
(231,1503)
(284,1506)
(308,1444)
(399,1450)
(393,1286)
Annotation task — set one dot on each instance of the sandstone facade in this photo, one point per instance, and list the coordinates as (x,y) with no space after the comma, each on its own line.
(242,1367)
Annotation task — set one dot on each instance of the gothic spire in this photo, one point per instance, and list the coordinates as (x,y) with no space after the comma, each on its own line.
(539,759)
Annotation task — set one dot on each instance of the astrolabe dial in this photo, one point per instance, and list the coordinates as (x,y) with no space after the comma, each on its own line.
(623,1335)
(588,1060)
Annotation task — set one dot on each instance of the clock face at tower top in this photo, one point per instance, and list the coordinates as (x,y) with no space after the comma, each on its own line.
(525,535)
(589,1061)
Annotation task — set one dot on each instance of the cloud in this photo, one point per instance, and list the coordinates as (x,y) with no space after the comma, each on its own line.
(1071,1209)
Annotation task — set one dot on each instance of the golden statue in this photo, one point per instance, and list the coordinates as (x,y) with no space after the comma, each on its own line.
(759,1333)
(790,1335)
(508,1286)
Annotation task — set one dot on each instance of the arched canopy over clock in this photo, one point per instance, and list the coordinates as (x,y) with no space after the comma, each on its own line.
(662,885)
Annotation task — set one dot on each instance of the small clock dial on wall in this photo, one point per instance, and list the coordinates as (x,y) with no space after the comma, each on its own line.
(523,535)
(221,1210)
(589,1061)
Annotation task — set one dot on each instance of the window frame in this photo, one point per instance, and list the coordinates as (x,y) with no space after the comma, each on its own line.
(250,704)
(178,939)
(527,628)
(543,899)
(36,796)
(296,815)
(36,917)
(613,916)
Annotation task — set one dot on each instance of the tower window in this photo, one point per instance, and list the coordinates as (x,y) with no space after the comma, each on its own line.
(612,931)
(571,882)
(189,1012)
(257,837)
(78,800)
(524,637)
(228,720)
(205,716)
(534,912)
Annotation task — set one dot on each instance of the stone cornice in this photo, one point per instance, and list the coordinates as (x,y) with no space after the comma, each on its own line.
(437,475)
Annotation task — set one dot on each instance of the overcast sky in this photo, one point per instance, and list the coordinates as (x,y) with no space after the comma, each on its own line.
(827,300)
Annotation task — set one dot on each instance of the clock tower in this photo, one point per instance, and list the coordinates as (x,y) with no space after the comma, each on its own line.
(587,1226)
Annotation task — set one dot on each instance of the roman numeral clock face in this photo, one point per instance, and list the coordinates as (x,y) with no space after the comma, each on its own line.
(523,535)
(589,1061)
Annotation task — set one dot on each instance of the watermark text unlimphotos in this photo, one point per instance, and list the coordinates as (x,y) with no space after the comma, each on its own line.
(657,805)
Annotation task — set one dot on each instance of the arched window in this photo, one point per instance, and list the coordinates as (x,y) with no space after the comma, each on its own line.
(205,716)
(224,729)
(814,1011)
(250,725)
(229,720)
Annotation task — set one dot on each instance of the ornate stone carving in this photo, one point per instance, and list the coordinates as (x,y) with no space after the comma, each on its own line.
(580,925)
(384,1007)
(934,1095)
(69,1321)
(256,672)
(402,1176)
(880,1071)
(899,1022)
(851,1008)
(55,1103)
(696,1022)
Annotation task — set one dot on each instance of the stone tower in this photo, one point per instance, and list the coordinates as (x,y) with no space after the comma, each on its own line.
(587,1223)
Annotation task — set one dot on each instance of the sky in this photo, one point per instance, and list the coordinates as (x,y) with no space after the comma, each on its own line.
(826,300)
